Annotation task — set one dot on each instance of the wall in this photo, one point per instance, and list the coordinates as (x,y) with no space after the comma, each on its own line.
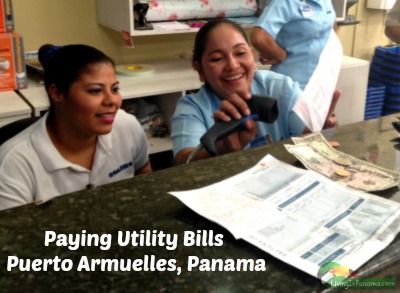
(360,40)
(74,21)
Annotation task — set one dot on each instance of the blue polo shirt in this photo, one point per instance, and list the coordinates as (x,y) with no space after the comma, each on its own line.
(194,113)
(302,35)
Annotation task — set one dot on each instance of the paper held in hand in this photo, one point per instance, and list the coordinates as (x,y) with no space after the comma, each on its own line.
(313,105)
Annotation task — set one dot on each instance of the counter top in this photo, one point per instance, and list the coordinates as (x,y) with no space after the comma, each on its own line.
(143,203)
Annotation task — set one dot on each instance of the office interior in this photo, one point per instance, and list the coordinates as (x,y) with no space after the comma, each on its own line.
(144,202)
(67,22)
(38,22)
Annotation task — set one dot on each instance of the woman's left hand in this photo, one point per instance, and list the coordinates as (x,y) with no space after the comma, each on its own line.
(268,60)
(331,120)
(235,107)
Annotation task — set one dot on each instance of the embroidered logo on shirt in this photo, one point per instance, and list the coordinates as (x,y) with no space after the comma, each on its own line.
(120,168)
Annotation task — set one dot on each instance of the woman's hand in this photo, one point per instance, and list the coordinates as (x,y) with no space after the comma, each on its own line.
(268,60)
(235,107)
(331,120)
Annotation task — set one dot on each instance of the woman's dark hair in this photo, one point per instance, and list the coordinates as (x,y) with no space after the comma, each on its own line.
(65,65)
(201,40)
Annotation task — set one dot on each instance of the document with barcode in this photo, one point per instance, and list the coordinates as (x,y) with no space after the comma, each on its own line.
(298,216)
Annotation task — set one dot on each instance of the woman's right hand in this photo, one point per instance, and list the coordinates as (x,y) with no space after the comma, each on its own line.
(268,60)
(269,50)
(235,107)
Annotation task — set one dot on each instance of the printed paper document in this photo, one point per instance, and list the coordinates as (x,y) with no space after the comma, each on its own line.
(298,216)
(313,105)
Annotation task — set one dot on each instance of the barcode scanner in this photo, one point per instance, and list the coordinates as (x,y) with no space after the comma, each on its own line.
(262,108)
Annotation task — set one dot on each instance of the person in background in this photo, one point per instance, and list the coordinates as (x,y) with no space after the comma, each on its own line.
(291,34)
(83,141)
(225,63)
(392,23)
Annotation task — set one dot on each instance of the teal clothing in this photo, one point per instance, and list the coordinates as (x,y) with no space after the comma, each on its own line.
(302,35)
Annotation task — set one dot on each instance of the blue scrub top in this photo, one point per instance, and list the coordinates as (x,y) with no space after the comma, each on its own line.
(302,36)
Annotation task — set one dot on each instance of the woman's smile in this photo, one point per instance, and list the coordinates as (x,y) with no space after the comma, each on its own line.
(227,64)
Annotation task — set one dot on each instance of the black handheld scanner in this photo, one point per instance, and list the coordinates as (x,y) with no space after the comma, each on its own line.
(262,108)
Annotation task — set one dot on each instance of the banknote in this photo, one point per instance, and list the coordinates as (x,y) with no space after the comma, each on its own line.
(316,154)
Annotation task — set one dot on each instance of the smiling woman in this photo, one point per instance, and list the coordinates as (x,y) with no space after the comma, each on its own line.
(225,63)
(81,141)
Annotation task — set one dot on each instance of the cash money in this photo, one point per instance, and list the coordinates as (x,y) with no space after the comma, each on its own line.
(316,154)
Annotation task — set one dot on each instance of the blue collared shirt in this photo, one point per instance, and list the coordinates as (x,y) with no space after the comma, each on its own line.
(302,36)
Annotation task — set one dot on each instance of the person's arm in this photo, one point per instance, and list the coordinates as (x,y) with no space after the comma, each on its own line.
(264,43)
(182,156)
(145,169)
(335,26)
(331,120)
(188,124)
(232,143)
(13,194)
(238,140)
(235,107)
(16,182)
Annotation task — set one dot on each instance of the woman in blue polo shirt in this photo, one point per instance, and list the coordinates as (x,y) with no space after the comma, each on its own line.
(291,34)
(225,63)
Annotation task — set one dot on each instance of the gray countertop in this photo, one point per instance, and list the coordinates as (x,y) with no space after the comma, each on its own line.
(143,203)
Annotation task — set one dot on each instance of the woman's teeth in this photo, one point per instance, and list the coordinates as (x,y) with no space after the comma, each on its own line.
(233,77)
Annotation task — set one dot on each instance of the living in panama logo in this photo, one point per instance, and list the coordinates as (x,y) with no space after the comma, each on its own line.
(335,275)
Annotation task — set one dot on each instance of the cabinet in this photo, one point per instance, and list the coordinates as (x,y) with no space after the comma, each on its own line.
(119,15)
